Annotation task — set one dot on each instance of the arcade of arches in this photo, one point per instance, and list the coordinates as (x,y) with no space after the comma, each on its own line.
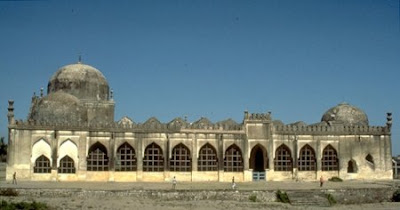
(71,135)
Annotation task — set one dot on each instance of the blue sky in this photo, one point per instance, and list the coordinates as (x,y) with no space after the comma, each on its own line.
(213,59)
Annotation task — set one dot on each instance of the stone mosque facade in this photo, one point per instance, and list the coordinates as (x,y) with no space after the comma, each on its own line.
(70,135)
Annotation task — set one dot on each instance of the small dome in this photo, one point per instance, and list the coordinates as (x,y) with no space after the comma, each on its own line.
(80,80)
(58,107)
(345,114)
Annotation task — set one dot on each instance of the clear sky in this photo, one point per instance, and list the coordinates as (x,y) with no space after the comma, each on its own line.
(212,58)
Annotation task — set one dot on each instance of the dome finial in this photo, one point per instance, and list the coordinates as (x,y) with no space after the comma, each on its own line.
(79,58)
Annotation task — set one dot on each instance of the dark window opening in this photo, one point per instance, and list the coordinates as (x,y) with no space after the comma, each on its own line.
(180,160)
(329,159)
(306,159)
(283,159)
(207,158)
(153,158)
(42,165)
(233,161)
(97,159)
(67,165)
(126,158)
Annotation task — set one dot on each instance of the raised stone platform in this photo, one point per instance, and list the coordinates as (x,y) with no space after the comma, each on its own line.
(299,193)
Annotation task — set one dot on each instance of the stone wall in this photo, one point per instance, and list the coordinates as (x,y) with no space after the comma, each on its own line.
(342,196)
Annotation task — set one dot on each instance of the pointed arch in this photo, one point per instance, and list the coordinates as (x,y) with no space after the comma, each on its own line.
(153,158)
(97,159)
(352,166)
(258,158)
(208,160)
(126,158)
(329,161)
(152,123)
(306,161)
(233,161)
(283,159)
(370,161)
(68,141)
(67,165)
(180,160)
(369,158)
(67,148)
(42,165)
(39,148)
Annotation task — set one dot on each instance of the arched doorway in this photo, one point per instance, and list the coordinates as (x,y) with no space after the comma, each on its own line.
(258,162)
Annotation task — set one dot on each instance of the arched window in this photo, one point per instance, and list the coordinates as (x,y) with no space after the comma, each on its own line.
(67,165)
(352,166)
(180,160)
(233,159)
(329,159)
(42,165)
(370,161)
(126,158)
(153,158)
(258,158)
(369,158)
(208,160)
(97,159)
(306,161)
(283,159)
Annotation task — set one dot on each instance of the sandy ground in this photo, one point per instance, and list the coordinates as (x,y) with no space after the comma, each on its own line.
(147,204)
(127,202)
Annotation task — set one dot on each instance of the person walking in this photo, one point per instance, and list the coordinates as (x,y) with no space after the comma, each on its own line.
(174,183)
(233,183)
(321,181)
(15,178)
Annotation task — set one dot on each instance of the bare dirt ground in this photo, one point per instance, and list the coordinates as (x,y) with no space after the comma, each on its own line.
(147,204)
(126,202)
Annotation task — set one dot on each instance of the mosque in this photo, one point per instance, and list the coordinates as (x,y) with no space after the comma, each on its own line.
(70,135)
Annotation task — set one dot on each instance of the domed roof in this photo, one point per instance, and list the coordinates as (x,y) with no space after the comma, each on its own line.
(346,114)
(57,107)
(80,80)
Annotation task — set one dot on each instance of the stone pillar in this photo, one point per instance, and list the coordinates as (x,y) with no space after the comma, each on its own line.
(318,157)
(54,155)
(139,156)
(112,157)
(271,151)
(295,154)
(10,154)
(112,152)
(194,155)
(220,152)
(388,153)
(247,174)
(341,161)
(83,148)
(245,144)
(167,157)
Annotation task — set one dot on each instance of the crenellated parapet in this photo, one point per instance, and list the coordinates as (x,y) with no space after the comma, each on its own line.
(331,130)
(127,125)
(257,117)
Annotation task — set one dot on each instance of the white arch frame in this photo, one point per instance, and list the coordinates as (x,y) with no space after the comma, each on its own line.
(39,148)
(68,147)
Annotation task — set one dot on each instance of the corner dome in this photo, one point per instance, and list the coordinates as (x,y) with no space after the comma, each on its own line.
(80,80)
(58,107)
(345,114)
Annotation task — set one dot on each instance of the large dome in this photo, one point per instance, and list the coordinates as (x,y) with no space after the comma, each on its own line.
(80,80)
(345,114)
(58,107)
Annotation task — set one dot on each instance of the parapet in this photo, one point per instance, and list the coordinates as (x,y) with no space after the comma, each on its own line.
(331,130)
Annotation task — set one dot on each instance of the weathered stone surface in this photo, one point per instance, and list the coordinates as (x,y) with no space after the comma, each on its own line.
(78,114)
